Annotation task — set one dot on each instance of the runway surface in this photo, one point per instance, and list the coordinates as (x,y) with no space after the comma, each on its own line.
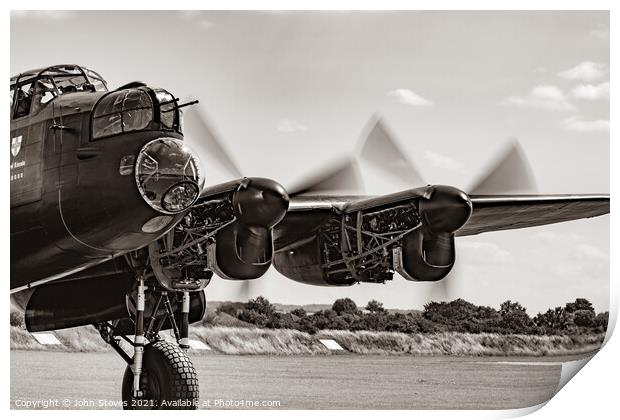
(93,380)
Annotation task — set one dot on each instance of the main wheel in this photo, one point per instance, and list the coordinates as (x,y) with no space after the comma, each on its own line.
(168,380)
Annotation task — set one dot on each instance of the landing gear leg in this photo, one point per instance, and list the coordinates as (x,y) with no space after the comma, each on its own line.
(183,335)
(138,342)
(160,375)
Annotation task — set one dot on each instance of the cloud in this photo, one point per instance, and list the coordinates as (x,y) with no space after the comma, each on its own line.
(471,252)
(588,71)
(205,24)
(577,124)
(573,256)
(545,236)
(42,14)
(586,251)
(591,92)
(601,32)
(290,126)
(442,161)
(548,92)
(552,237)
(585,260)
(409,97)
(547,97)
(196,16)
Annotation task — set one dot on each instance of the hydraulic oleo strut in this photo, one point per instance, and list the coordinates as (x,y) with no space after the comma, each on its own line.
(183,336)
(138,343)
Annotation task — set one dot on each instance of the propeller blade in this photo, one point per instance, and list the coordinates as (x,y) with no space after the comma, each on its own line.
(244,291)
(239,290)
(446,289)
(379,149)
(510,173)
(202,138)
(342,177)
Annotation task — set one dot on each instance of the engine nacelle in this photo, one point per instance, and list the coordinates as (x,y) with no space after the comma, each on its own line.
(411,232)
(425,255)
(244,249)
(303,263)
(428,253)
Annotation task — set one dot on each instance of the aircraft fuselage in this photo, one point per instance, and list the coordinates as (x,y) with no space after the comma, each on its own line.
(74,200)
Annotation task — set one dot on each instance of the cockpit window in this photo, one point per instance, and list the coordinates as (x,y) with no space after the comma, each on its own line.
(99,85)
(23,99)
(70,79)
(72,84)
(32,90)
(44,92)
(167,109)
(122,111)
(12,95)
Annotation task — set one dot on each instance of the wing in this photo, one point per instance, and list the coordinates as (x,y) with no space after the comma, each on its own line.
(502,212)
(305,215)
(490,212)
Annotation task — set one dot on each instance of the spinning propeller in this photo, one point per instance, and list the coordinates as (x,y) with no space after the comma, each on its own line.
(378,152)
(219,163)
(203,139)
(508,173)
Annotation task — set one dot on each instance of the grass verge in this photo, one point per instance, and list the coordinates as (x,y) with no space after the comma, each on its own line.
(250,341)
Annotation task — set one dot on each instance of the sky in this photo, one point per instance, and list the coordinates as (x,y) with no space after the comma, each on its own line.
(287,92)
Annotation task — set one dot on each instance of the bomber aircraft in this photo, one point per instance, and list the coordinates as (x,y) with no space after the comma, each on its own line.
(112,224)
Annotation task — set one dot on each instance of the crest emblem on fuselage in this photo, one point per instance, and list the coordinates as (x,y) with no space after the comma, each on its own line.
(16,145)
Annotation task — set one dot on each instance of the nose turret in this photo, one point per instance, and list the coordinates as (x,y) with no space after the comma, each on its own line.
(168,175)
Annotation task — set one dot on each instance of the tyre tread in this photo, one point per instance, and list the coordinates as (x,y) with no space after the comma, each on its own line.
(185,385)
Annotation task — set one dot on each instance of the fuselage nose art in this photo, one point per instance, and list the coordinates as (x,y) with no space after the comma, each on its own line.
(16,145)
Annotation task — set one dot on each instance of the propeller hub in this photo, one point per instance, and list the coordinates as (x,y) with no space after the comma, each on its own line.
(444,208)
(262,202)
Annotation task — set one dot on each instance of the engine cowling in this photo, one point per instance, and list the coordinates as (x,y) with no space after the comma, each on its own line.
(244,249)
(428,253)
(327,257)
(425,256)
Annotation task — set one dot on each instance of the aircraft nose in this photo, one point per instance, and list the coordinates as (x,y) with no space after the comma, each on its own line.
(168,175)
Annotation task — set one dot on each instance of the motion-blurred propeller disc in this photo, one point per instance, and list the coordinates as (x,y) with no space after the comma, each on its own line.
(510,173)
(214,156)
(216,160)
(445,289)
(245,290)
(342,177)
(380,149)
(377,148)
(441,290)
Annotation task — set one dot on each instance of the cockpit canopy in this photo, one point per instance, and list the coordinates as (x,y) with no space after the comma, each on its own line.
(31,90)
(133,109)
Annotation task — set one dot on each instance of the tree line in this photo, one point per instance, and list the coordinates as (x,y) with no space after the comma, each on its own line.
(578,317)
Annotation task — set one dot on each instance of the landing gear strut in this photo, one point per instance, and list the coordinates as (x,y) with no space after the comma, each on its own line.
(159,374)
(138,342)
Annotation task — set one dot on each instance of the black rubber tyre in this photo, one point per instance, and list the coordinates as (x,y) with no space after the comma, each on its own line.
(168,380)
